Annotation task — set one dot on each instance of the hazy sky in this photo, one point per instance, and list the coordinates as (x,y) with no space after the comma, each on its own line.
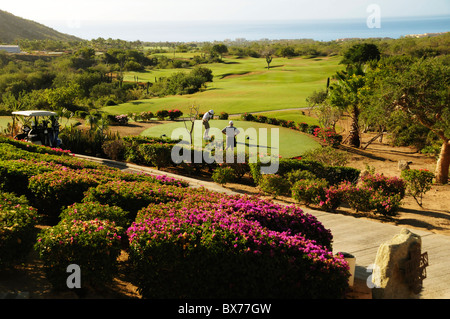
(72,11)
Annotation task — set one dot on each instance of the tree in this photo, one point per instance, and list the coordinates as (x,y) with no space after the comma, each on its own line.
(421,91)
(345,95)
(268,60)
(360,54)
(219,49)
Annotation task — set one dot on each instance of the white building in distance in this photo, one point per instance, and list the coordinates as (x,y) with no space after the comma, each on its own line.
(10,48)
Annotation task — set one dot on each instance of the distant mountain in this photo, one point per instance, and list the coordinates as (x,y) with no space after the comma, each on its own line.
(13,28)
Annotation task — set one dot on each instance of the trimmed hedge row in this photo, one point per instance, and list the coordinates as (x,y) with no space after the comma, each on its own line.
(214,247)
(17,228)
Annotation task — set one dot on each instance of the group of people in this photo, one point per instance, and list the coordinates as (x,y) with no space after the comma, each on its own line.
(230,131)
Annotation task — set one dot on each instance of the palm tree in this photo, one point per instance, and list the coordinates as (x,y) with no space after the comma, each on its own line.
(344,94)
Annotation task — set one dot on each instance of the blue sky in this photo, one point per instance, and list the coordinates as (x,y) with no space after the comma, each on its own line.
(54,11)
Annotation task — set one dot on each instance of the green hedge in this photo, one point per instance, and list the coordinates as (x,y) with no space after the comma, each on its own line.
(93,245)
(17,228)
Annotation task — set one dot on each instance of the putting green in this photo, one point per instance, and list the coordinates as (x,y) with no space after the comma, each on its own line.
(290,143)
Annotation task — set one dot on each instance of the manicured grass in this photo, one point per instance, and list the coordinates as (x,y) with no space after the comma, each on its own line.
(243,85)
(291,143)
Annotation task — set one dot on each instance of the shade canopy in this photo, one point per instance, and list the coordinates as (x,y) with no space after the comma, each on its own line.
(34,113)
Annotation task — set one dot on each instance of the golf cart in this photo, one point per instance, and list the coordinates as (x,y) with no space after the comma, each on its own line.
(40,132)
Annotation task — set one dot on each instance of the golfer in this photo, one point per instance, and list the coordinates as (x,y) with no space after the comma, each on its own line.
(206,117)
(230,131)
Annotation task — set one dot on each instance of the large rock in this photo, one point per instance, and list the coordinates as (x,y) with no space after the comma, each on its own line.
(390,274)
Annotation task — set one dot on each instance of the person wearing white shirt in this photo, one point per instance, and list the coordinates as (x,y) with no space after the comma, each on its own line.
(206,117)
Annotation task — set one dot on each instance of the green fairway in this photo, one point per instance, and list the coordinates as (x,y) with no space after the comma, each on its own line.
(242,85)
(290,143)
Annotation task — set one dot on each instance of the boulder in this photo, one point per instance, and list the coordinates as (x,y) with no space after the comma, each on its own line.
(390,275)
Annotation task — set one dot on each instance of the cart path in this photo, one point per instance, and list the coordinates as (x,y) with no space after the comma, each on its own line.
(360,237)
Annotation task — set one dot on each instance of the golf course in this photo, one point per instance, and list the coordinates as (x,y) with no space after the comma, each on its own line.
(241,85)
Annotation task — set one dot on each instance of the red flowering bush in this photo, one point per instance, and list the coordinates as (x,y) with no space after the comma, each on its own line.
(174,114)
(328,135)
(384,184)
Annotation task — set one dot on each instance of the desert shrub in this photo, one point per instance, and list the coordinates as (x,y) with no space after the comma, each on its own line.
(183,254)
(17,228)
(309,191)
(274,185)
(95,210)
(418,182)
(223,175)
(94,245)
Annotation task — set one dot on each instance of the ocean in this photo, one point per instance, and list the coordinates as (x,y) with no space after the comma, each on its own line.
(188,31)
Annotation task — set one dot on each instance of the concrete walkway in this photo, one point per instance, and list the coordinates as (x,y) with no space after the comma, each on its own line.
(360,237)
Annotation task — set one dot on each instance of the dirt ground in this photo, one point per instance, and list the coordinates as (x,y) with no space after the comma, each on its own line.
(28,280)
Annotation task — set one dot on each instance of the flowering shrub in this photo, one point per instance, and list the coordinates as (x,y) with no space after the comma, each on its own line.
(309,191)
(17,228)
(95,210)
(14,174)
(53,190)
(121,119)
(419,182)
(132,196)
(333,198)
(387,205)
(223,116)
(247,117)
(384,184)
(174,114)
(303,127)
(357,197)
(94,245)
(328,135)
(162,114)
(147,116)
(261,119)
(181,253)
(274,184)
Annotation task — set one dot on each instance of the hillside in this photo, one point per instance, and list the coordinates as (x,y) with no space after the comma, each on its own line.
(13,27)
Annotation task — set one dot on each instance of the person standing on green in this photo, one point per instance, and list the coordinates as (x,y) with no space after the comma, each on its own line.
(230,131)
(206,117)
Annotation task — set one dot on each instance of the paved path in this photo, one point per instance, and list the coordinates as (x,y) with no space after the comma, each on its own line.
(360,237)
